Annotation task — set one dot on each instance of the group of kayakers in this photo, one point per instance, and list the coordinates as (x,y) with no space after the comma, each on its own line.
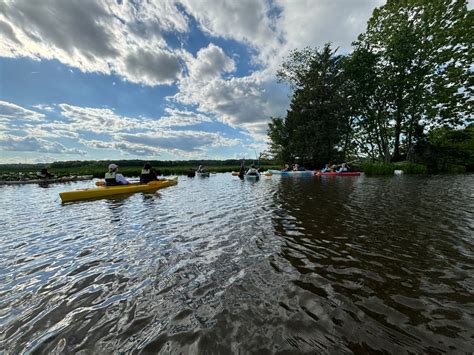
(293,167)
(328,168)
(113,177)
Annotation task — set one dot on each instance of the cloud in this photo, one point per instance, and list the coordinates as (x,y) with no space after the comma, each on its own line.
(246,21)
(180,143)
(245,102)
(133,135)
(314,23)
(151,68)
(187,141)
(32,144)
(93,36)
(43,107)
(10,111)
(178,118)
(8,32)
(209,63)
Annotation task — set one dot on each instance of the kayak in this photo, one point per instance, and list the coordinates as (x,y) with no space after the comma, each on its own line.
(106,191)
(48,181)
(203,174)
(293,173)
(343,173)
(254,177)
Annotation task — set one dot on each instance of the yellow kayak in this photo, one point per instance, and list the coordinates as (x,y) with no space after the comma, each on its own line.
(105,191)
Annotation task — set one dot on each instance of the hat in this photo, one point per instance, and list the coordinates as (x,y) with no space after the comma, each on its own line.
(113,166)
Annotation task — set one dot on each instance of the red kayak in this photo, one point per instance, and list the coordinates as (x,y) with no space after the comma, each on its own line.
(343,173)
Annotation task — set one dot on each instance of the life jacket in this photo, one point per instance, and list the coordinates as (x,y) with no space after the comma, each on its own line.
(110,179)
(146,176)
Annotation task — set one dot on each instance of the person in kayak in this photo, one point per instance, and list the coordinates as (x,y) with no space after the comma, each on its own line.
(296,167)
(343,168)
(148,174)
(113,178)
(45,174)
(326,169)
(201,169)
(242,170)
(252,170)
(286,168)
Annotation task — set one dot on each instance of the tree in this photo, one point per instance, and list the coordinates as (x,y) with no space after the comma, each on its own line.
(412,69)
(316,127)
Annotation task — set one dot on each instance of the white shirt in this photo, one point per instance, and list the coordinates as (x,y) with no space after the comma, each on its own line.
(121,179)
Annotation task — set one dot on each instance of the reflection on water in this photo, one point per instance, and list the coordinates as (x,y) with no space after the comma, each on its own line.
(222,265)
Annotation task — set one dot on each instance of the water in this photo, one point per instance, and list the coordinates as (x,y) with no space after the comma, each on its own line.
(219,265)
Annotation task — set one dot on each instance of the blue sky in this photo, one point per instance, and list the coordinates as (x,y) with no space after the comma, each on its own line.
(172,79)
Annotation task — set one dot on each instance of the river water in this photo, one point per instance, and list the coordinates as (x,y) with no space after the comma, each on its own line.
(220,265)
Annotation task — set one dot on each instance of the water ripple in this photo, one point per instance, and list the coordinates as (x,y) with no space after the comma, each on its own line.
(220,265)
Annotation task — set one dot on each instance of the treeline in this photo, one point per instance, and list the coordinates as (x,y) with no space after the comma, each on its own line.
(102,164)
(403,94)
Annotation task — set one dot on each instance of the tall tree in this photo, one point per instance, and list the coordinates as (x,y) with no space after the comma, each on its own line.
(317,124)
(418,56)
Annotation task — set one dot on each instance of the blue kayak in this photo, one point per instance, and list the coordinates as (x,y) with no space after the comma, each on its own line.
(293,173)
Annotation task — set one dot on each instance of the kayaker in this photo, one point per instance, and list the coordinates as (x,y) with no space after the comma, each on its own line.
(326,169)
(286,168)
(44,174)
(242,170)
(296,167)
(201,169)
(252,170)
(113,178)
(342,168)
(148,174)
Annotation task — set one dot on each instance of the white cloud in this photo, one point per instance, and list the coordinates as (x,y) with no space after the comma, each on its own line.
(95,36)
(10,111)
(246,21)
(44,107)
(180,143)
(32,144)
(209,63)
(133,135)
(177,118)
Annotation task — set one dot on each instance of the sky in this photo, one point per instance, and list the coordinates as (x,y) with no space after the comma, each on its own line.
(167,79)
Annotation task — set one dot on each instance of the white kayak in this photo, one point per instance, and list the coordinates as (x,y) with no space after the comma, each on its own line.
(202,173)
(254,177)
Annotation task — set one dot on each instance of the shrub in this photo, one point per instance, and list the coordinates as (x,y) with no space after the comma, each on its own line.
(378,168)
(411,168)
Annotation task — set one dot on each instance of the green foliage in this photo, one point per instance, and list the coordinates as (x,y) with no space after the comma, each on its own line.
(378,168)
(399,96)
(411,168)
(455,169)
(411,68)
(316,127)
(448,149)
